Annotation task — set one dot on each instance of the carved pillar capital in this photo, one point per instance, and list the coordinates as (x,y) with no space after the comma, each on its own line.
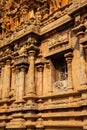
(13,69)
(32,43)
(79,30)
(68,57)
(23,69)
(17,70)
(8,62)
(2,64)
(40,68)
(31,53)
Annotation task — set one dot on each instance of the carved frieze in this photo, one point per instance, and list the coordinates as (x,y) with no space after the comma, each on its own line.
(58,41)
(22,107)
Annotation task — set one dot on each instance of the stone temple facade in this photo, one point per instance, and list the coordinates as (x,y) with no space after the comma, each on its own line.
(43,64)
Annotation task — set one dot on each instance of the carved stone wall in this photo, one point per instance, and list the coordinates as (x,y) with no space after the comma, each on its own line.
(43,65)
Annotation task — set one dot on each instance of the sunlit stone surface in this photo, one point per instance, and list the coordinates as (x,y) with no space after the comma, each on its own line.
(43,64)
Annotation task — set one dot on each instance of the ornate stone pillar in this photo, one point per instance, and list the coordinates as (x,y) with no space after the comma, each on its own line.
(7,79)
(17,83)
(31,87)
(40,79)
(13,81)
(86,59)
(2,77)
(69,57)
(20,83)
(50,69)
(83,81)
(0,85)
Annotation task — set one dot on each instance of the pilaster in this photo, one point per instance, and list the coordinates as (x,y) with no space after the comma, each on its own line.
(17,83)
(69,57)
(32,49)
(13,81)
(40,79)
(2,78)
(21,66)
(79,31)
(20,83)
(7,79)
(31,87)
(0,85)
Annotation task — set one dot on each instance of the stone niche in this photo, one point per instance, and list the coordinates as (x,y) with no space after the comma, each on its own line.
(61,76)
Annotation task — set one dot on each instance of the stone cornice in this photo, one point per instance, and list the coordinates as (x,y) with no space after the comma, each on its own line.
(59,22)
(77,7)
(31,30)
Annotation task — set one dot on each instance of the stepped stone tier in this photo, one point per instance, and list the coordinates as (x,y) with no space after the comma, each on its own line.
(43,64)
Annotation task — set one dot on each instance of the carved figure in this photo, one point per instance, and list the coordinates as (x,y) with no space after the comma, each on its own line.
(6,25)
(16,47)
(22,50)
(54,4)
(24,14)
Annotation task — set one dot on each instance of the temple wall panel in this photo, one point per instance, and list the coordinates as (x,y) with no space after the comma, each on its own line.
(43,65)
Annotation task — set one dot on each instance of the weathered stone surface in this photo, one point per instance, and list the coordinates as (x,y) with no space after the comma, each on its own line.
(43,65)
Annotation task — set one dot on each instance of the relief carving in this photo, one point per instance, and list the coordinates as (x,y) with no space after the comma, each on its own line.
(6,25)
(61,85)
(58,41)
(32,41)
(54,4)
(22,50)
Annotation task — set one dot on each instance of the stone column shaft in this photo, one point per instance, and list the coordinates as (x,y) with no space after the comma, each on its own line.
(2,78)
(31,87)
(68,57)
(7,79)
(40,78)
(83,78)
(86,60)
(0,85)
(13,80)
(17,84)
(22,83)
